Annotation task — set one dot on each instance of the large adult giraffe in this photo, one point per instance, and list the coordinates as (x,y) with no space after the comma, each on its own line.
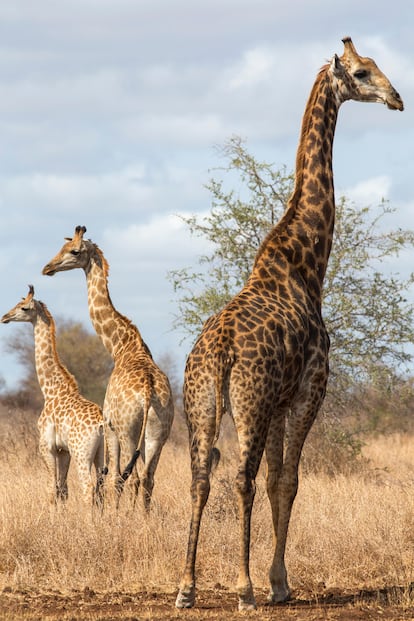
(264,357)
(138,408)
(70,426)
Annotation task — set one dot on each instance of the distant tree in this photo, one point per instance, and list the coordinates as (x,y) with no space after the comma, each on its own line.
(80,351)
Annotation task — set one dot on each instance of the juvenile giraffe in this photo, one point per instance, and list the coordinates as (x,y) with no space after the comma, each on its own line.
(70,426)
(264,357)
(138,409)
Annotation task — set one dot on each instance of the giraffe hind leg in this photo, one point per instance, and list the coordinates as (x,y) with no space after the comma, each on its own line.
(63,463)
(280,591)
(101,471)
(202,456)
(251,450)
(283,489)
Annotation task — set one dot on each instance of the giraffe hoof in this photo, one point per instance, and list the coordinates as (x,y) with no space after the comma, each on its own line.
(245,606)
(246,599)
(279,596)
(185,598)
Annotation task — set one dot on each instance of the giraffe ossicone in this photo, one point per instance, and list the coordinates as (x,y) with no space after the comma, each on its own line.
(70,426)
(264,357)
(138,408)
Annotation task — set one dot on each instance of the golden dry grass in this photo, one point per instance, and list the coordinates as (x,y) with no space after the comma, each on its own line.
(347,532)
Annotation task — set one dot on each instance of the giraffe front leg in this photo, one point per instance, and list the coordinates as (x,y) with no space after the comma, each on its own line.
(49,456)
(63,463)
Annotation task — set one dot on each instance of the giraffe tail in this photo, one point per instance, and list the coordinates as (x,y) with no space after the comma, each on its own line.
(224,360)
(214,458)
(130,466)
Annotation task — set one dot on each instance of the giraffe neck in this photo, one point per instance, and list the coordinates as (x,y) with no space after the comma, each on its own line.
(117,332)
(53,377)
(302,239)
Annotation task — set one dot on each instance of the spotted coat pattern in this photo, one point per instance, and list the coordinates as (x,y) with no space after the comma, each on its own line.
(264,357)
(138,409)
(70,426)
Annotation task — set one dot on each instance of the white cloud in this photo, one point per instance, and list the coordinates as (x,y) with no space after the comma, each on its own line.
(109,112)
(370,191)
(163,240)
(256,67)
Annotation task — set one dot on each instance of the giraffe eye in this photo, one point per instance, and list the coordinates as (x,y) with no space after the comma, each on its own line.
(360,74)
(25,309)
(75,252)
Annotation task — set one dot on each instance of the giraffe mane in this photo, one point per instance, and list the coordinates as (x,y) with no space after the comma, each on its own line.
(100,259)
(294,198)
(300,156)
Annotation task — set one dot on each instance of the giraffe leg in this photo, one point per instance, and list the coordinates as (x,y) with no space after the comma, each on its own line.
(156,435)
(200,450)
(274,456)
(283,494)
(63,463)
(49,455)
(246,490)
(128,445)
(100,469)
(151,456)
(113,458)
(84,456)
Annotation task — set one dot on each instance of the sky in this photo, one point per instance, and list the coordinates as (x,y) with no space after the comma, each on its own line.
(111,112)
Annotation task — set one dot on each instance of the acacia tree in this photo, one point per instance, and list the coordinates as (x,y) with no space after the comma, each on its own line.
(365,306)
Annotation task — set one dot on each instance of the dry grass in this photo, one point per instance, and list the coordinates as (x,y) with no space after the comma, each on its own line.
(348,532)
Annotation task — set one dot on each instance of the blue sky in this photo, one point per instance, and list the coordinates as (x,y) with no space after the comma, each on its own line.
(110,111)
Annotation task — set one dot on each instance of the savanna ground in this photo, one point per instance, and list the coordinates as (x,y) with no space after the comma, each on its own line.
(350,554)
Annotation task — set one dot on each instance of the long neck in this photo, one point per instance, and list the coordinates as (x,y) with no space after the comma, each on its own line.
(51,373)
(302,239)
(116,331)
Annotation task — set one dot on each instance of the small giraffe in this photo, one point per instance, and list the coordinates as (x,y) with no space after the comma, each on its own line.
(138,408)
(70,426)
(264,357)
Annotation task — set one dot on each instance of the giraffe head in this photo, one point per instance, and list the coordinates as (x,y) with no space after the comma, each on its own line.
(27,310)
(73,254)
(360,79)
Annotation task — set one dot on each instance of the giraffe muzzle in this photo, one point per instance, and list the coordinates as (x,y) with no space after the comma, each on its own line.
(48,271)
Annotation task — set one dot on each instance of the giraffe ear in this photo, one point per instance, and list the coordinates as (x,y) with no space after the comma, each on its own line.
(337,67)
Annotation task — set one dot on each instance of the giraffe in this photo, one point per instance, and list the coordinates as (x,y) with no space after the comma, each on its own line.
(70,426)
(264,357)
(138,408)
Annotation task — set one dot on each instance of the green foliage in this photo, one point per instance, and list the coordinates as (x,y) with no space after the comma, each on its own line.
(365,306)
(235,228)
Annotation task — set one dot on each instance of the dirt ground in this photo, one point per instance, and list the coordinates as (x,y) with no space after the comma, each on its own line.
(218,604)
